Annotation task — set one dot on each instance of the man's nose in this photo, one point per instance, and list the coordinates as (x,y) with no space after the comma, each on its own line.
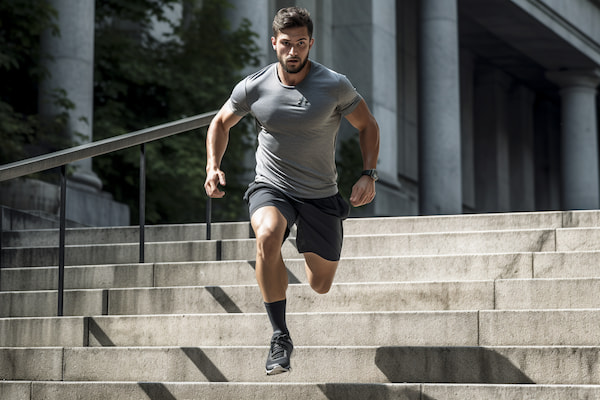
(292,51)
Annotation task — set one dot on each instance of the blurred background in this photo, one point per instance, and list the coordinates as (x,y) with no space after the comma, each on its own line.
(483,105)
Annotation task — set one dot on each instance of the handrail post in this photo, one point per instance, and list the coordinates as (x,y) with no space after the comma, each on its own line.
(208,217)
(61,241)
(142,206)
(1,237)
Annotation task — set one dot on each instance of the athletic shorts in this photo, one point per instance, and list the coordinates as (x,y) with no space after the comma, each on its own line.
(318,221)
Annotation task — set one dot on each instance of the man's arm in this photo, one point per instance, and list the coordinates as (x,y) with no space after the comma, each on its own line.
(363,191)
(217,138)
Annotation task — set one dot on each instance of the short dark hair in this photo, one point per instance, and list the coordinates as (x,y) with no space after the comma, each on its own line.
(292,17)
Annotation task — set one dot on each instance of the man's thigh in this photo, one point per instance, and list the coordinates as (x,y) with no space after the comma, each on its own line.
(319,272)
(259,197)
(320,227)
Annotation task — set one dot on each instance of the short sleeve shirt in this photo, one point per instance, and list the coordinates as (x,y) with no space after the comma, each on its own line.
(298,127)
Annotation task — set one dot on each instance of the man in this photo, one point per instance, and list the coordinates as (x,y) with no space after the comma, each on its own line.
(298,105)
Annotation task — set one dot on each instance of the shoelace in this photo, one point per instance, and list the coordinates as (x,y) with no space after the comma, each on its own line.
(278,347)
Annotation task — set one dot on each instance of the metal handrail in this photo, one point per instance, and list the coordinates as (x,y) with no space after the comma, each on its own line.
(94,149)
(60,159)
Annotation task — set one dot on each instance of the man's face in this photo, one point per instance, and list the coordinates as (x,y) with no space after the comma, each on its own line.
(292,46)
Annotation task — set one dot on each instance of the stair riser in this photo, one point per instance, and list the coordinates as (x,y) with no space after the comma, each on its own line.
(477,295)
(460,328)
(455,223)
(450,328)
(244,249)
(379,269)
(476,222)
(45,304)
(341,298)
(499,365)
(354,246)
(547,293)
(129,234)
(285,391)
(352,226)
(87,277)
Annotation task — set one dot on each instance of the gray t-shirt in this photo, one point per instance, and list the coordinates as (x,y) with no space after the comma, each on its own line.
(298,127)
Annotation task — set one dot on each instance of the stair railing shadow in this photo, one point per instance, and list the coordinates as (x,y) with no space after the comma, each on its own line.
(371,391)
(156,391)
(93,329)
(448,365)
(204,364)
(223,299)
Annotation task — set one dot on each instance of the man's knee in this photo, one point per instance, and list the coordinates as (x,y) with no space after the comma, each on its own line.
(320,272)
(268,241)
(269,228)
(321,286)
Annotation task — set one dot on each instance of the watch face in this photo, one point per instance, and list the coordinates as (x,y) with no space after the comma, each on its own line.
(372,173)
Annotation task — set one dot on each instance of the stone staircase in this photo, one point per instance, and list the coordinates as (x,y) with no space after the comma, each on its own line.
(494,306)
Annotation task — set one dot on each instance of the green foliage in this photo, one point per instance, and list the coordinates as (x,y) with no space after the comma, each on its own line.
(349,164)
(21,23)
(142,81)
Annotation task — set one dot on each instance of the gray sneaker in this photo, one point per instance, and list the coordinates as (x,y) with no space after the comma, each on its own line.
(280,352)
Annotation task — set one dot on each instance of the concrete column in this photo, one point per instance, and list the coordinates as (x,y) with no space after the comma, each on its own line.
(71,68)
(467,71)
(522,160)
(261,18)
(547,154)
(440,182)
(491,140)
(579,138)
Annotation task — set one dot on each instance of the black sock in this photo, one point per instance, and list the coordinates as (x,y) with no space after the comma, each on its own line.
(276,313)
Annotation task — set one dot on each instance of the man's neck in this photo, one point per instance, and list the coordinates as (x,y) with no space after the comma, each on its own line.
(293,79)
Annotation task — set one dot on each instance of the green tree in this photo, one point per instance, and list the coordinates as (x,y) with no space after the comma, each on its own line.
(141,80)
(21,23)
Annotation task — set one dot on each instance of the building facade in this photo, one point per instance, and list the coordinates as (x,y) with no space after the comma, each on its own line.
(483,105)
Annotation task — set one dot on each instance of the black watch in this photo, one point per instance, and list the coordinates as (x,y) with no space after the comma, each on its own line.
(371,173)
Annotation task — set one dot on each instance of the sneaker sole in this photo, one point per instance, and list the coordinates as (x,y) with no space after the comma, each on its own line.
(278,369)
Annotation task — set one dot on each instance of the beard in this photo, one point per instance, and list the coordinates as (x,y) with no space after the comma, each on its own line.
(293,70)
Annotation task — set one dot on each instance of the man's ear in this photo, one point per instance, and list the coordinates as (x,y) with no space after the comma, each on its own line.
(274,42)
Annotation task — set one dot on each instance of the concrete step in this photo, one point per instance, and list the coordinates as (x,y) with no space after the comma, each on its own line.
(508,241)
(502,294)
(472,222)
(568,365)
(204,390)
(484,242)
(354,269)
(547,293)
(424,328)
(78,277)
(29,390)
(247,298)
(464,222)
(126,234)
(352,226)
(372,328)
(343,297)
(578,239)
(44,303)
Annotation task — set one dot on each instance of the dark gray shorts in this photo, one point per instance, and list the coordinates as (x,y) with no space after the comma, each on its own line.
(318,221)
